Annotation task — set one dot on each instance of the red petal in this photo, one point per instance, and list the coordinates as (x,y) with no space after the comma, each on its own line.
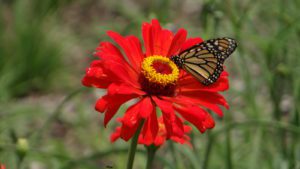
(123,89)
(118,73)
(147,36)
(185,138)
(130,121)
(187,129)
(178,139)
(197,116)
(132,116)
(155,33)
(193,114)
(115,135)
(171,122)
(157,40)
(111,111)
(159,141)
(209,122)
(178,127)
(128,131)
(205,98)
(215,108)
(136,52)
(146,107)
(131,47)
(190,101)
(190,42)
(168,114)
(108,51)
(95,77)
(189,83)
(101,104)
(177,42)
(143,108)
(111,103)
(163,42)
(150,129)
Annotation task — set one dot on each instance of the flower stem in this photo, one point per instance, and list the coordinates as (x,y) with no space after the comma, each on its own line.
(174,155)
(228,145)
(208,149)
(150,155)
(133,145)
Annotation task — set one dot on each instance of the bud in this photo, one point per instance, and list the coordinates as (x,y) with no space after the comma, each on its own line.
(22,146)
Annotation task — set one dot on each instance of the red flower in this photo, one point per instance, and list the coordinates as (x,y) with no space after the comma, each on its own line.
(2,166)
(160,138)
(153,80)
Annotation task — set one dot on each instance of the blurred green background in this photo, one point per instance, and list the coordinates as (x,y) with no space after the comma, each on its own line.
(47,119)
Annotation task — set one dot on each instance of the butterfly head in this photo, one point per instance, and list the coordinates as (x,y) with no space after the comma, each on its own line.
(177,60)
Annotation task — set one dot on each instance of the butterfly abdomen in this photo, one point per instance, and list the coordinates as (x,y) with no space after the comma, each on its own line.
(178,61)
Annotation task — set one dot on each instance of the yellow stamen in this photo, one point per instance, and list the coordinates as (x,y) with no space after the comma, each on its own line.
(155,77)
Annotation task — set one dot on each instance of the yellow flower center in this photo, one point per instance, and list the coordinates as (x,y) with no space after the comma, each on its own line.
(160,70)
(159,75)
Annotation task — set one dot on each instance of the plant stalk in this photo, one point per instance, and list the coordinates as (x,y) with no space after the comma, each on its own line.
(133,145)
(150,155)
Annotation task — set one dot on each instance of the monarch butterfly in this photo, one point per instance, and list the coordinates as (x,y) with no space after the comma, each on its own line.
(205,60)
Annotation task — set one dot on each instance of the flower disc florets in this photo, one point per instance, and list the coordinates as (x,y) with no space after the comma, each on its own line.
(159,75)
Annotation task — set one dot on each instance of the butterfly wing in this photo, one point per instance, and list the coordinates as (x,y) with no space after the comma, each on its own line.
(205,60)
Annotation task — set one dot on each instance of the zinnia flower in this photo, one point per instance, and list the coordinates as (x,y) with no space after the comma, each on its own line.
(153,80)
(160,138)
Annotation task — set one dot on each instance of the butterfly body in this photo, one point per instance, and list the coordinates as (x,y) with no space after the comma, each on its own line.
(205,60)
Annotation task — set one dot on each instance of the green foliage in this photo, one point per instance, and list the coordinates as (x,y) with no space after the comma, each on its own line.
(261,130)
(30,56)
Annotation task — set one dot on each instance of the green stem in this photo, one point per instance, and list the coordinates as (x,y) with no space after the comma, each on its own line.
(20,161)
(174,155)
(208,149)
(228,145)
(228,151)
(133,145)
(150,155)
